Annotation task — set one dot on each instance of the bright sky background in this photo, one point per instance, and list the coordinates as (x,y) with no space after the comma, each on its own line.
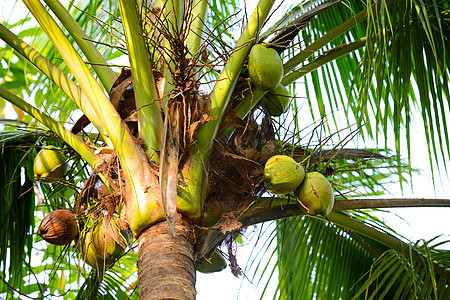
(413,223)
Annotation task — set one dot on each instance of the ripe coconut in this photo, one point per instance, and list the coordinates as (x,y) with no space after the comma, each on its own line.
(315,194)
(215,263)
(50,165)
(282,174)
(276,102)
(265,67)
(59,227)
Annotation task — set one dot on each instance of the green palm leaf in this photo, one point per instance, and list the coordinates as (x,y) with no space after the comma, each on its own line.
(16,204)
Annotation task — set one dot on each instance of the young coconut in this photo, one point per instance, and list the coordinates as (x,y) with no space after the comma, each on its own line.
(215,263)
(265,67)
(104,244)
(89,254)
(315,195)
(282,174)
(276,102)
(59,227)
(99,249)
(50,165)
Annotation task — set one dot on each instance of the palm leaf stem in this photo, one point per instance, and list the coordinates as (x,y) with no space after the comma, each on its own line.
(199,9)
(249,102)
(147,105)
(56,75)
(174,12)
(224,86)
(68,137)
(95,94)
(99,64)
(269,209)
(128,151)
(245,106)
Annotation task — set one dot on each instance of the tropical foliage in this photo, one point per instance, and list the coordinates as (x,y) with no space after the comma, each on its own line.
(180,134)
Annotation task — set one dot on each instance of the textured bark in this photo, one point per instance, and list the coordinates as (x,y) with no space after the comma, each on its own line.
(166,262)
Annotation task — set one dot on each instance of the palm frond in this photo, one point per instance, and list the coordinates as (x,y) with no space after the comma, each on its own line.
(119,282)
(16,203)
(317,260)
(314,259)
(394,276)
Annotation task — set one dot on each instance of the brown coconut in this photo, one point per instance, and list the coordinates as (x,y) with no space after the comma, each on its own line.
(59,227)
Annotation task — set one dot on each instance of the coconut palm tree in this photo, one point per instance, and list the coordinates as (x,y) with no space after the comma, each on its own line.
(173,164)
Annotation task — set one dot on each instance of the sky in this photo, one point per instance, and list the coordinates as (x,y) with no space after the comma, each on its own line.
(413,223)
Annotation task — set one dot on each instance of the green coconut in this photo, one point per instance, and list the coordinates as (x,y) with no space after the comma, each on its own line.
(276,102)
(282,174)
(104,244)
(50,165)
(215,263)
(97,247)
(90,256)
(265,67)
(315,194)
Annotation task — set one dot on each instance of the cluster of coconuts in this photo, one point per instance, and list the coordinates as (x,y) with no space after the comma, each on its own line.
(97,248)
(266,71)
(314,193)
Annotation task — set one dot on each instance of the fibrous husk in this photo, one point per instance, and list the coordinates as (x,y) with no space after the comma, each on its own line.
(59,227)
(236,167)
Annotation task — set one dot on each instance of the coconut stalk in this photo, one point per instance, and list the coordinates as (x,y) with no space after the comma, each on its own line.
(99,64)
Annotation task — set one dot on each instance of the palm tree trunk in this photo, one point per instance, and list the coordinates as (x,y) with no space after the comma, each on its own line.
(166,262)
